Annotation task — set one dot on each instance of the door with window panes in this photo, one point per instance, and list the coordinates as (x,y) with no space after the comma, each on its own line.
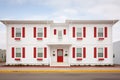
(59,55)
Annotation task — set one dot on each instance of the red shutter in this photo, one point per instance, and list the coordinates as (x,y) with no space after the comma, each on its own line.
(54,31)
(34,32)
(45,52)
(106,31)
(13,32)
(13,52)
(84,52)
(73,31)
(95,52)
(106,52)
(64,31)
(84,32)
(34,52)
(23,32)
(23,52)
(73,52)
(95,32)
(45,32)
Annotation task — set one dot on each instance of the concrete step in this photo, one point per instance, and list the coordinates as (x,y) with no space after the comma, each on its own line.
(59,64)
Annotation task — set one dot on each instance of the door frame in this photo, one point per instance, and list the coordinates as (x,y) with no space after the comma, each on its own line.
(62,55)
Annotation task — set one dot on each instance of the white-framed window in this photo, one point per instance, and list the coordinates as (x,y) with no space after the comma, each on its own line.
(79,32)
(100,32)
(59,34)
(18,32)
(40,52)
(18,52)
(79,52)
(100,52)
(60,53)
(40,32)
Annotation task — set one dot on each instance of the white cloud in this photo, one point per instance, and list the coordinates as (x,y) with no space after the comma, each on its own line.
(108,11)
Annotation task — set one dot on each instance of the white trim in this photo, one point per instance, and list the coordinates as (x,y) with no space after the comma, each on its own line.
(76,52)
(103,52)
(42,32)
(15,32)
(103,32)
(37,52)
(15,52)
(81,32)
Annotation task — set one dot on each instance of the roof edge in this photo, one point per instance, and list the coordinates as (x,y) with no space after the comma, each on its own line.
(51,21)
(26,21)
(91,21)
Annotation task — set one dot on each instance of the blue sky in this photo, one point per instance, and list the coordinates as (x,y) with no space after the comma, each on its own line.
(59,11)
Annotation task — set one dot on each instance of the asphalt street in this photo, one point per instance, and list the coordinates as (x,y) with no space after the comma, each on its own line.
(59,76)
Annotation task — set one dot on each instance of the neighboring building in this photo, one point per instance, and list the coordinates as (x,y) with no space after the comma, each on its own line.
(116,51)
(75,42)
(2,55)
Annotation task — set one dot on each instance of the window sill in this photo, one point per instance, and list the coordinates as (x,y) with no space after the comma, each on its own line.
(17,59)
(79,38)
(101,59)
(39,59)
(39,39)
(17,39)
(79,59)
(100,39)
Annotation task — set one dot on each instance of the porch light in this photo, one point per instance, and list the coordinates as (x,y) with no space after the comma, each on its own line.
(53,53)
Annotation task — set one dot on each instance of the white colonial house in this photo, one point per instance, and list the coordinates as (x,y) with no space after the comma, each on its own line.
(75,42)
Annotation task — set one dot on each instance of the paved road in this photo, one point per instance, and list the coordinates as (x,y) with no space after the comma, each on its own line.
(59,76)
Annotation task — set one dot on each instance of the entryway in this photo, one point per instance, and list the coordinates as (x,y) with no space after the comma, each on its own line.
(59,55)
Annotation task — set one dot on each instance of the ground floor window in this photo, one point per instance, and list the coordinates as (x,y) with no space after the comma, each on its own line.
(40,52)
(100,52)
(18,52)
(79,52)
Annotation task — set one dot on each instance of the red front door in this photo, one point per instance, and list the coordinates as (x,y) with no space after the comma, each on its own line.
(59,55)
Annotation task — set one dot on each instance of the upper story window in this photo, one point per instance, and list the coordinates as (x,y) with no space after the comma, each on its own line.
(100,52)
(18,52)
(100,32)
(40,32)
(59,34)
(79,52)
(18,32)
(40,52)
(79,32)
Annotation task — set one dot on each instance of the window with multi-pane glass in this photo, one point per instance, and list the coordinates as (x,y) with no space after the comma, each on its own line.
(79,52)
(100,32)
(59,34)
(40,32)
(18,52)
(79,32)
(100,52)
(18,32)
(40,52)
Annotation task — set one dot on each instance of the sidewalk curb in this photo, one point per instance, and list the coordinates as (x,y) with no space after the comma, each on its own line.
(59,71)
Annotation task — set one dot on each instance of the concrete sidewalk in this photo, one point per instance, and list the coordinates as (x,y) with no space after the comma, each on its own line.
(59,69)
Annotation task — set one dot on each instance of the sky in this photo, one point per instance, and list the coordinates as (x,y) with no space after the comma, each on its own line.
(59,11)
